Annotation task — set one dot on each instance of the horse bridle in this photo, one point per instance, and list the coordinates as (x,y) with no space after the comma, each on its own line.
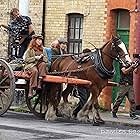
(114,45)
(119,57)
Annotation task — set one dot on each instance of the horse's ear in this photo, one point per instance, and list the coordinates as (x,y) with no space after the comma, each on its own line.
(117,36)
(112,36)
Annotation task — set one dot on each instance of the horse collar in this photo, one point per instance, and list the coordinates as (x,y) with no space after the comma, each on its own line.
(96,57)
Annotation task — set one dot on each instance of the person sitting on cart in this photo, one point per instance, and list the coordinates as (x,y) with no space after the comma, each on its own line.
(59,46)
(36,61)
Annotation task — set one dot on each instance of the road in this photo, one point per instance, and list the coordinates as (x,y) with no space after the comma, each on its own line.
(22,126)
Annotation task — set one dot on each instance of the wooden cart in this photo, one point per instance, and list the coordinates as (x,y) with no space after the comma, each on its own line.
(9,82)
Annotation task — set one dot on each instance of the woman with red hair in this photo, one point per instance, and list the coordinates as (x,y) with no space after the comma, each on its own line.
(36,61)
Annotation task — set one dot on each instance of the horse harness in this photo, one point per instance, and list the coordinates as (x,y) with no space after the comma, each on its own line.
(98,64)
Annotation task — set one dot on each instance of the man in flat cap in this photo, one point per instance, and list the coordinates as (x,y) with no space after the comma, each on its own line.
(59,46)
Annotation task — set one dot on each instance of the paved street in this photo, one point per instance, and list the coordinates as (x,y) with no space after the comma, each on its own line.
(21,126)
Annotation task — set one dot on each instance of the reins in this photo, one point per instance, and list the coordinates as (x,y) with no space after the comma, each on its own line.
(114,58)
(70,71)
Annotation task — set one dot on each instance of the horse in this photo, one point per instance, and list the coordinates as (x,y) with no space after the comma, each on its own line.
(96,67)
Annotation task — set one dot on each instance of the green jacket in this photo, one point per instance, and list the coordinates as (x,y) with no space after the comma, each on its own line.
(29,58)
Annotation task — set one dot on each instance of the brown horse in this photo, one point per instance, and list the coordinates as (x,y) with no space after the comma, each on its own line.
(97,67)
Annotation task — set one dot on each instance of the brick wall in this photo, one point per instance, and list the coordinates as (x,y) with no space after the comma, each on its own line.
(57,20)
(122,4)
(36,13)
(5,7)
(111,29)
(56,24)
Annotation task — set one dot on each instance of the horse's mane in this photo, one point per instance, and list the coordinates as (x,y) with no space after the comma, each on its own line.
(105,44)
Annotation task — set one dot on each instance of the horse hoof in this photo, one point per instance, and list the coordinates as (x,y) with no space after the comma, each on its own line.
(84,119)
(73,116)
(59,114)
(95,124)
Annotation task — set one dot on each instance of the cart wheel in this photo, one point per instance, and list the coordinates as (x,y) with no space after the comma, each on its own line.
(7,86)
(38,103)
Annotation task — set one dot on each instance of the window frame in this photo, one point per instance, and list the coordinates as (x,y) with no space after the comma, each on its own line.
(75,40)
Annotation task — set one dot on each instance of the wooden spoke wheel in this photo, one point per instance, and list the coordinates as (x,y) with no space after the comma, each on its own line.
(7,86)
(37,104)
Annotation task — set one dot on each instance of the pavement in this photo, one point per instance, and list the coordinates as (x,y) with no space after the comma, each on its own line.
(122,120)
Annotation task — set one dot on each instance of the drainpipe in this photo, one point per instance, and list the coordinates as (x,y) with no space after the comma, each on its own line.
(43,20)
(137,51)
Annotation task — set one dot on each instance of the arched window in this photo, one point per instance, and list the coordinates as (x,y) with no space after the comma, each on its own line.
(75,33)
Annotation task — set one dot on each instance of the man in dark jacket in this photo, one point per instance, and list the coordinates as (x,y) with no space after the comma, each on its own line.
(20,33)
(83,95)
(126,89)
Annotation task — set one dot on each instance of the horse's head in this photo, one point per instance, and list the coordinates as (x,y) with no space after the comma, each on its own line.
(119,51)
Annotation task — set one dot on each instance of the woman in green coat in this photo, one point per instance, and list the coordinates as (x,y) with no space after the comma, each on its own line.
(36,61)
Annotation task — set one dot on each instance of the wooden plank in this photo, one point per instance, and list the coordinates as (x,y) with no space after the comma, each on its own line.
(55,79)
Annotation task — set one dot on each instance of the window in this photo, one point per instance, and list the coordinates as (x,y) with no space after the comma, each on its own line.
(123,19)
(75,33)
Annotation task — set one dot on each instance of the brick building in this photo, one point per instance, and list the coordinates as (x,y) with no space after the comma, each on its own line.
(81,21)
(83,15)
(123,17)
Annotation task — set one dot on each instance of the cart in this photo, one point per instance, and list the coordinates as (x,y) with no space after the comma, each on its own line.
(36,104)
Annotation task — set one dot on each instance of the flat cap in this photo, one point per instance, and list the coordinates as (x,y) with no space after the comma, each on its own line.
(62,40)
(37,36)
